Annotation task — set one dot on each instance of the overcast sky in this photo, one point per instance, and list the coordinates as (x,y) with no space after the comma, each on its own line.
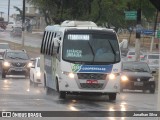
(4,7)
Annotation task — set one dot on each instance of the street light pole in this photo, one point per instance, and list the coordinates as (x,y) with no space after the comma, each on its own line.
(1,14)
(8,9)
(23,23)
(138,36)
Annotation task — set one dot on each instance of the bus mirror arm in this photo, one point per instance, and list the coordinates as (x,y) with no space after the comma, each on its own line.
(56,42)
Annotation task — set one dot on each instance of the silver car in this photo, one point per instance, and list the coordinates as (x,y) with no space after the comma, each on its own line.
(153,60)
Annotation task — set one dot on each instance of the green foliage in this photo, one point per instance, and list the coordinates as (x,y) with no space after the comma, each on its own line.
(103,12)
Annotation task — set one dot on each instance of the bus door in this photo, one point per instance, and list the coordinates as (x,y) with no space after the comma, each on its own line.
(48,69)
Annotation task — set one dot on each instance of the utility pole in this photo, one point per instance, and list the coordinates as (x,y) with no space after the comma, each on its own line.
(1,14)
(138,35)
(8,9)
(155,24)
(23,23)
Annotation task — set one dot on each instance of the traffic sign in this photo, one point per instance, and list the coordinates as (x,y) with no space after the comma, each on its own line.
(130,15)
(158,34)
(148,32)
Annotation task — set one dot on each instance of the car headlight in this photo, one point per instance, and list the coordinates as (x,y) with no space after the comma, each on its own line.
(112,76)
(6,64)
(29,64)
(124,78)
(38,74)
(151,79)
(69,74)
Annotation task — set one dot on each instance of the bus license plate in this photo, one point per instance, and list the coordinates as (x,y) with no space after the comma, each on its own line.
(92,81)
(138,83)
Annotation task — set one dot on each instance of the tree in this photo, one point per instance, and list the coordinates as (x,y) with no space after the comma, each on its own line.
(99,11)
(20,11)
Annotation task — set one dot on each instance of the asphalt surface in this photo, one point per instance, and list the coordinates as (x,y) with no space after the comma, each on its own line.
(16,94)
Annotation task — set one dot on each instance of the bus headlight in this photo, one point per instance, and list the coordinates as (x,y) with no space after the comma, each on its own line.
(29,64)
(6,64)
(69,74)
(124,78)
(112,76)
(38,74)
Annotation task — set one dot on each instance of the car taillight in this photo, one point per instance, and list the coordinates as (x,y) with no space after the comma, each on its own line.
(141,56)
(129,56)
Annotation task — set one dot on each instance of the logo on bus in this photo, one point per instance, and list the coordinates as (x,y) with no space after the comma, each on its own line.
(76,67)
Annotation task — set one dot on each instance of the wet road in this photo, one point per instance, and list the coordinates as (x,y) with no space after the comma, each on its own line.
(16,94)
(33,40)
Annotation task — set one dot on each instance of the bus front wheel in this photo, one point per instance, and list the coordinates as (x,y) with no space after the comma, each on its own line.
(112,96)
(62,95)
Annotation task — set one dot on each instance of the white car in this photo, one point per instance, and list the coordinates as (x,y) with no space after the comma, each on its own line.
(35,75)
(10,26)
(4,47)
(153,60)
(131,56)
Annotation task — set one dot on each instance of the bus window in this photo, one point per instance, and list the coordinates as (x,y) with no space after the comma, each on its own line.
(50,43)
(52,46)
(42,51)
(46,44)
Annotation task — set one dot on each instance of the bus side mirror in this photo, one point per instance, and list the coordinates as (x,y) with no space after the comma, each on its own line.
(124,44)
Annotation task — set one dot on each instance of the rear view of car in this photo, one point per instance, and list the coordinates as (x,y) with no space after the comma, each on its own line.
(16,32)
(131,56)
(152,60)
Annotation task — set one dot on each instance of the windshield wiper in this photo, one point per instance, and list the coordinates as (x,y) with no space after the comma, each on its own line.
(11,57)
(141,70)
(21,58)
(92,51)
(128,69)
(16,57)
(114,52)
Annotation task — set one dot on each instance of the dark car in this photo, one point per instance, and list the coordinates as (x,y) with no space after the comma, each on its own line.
(137,76)
(15,62)
(16,32)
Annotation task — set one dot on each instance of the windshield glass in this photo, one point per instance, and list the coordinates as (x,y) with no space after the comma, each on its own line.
(135,67)
(4,46)
(17,55)
(153,57)
(91,48)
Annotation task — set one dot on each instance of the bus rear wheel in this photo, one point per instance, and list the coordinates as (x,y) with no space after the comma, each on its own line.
(62,95)
(112,96)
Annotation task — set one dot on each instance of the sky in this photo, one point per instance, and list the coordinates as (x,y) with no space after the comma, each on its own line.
(4,7)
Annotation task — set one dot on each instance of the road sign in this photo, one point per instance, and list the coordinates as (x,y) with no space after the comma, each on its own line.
(130,15)
(148,32)
(158,34)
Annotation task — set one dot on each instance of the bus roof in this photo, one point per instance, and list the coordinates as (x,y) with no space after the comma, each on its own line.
(67,25)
